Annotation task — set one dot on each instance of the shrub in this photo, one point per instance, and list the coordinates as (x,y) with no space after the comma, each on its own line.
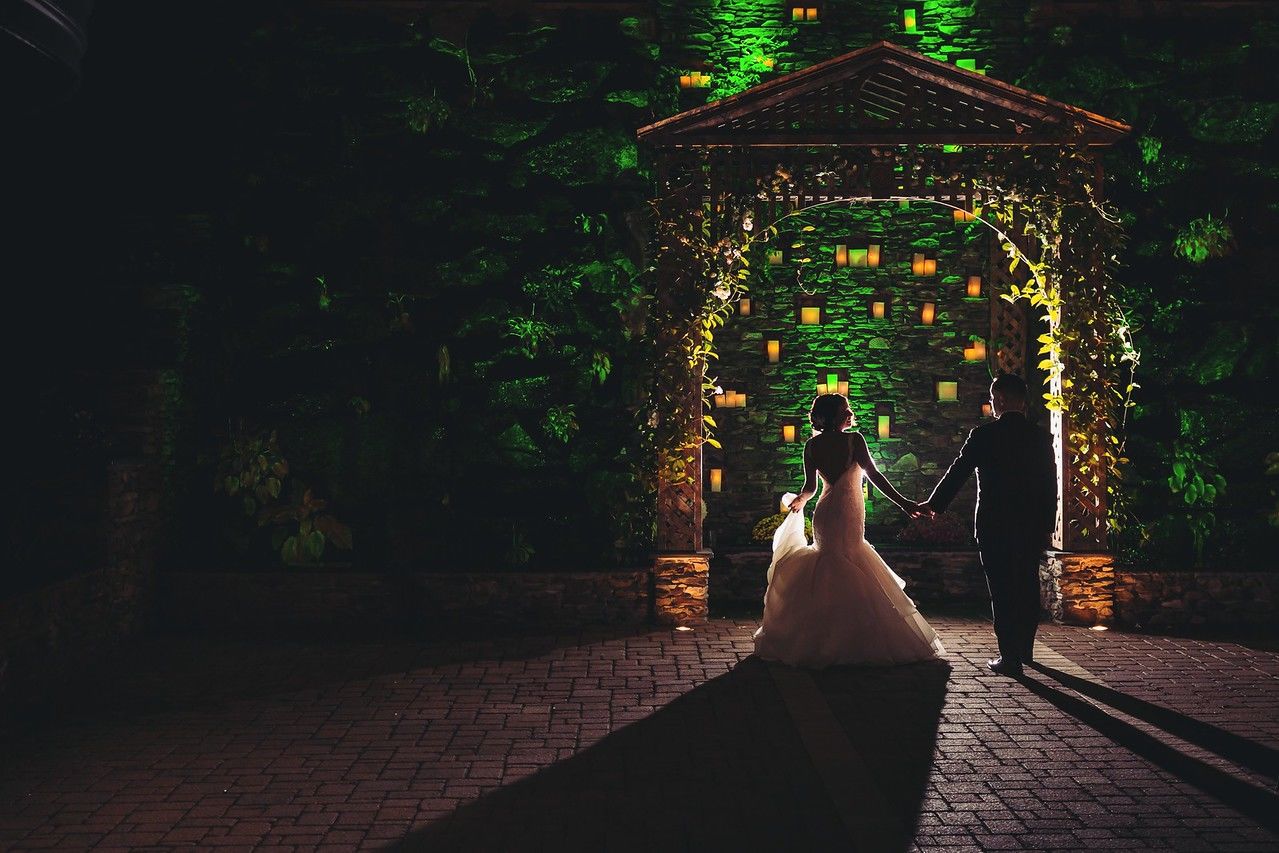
(765,528)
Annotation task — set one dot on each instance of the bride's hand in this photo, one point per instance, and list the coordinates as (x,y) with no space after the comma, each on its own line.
(797,505)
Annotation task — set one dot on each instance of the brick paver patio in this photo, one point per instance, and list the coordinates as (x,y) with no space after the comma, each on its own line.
(655,740)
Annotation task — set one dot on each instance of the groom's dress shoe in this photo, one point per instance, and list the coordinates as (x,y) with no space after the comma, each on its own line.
(1004,667)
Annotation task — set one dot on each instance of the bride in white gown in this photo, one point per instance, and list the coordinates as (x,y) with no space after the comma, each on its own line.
(835,601)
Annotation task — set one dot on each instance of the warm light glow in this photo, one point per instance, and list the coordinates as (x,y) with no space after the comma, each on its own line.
(917,264)
(682,628)
(974,286)
(878,309)
(740,401)
(930,266)
(775,257)
(964,216)
(872,255)
(857,258)
(841,255)
(975,351)
(842,388)
(821,388)
(788,432)
(797,13)
(686,81)
(928,313)
(810,315)
(1098,628)
(910,20)
(883,425)
(810,13)
(744,307)
(987,410)
(721,400)
(947,391)
(717,479)
(774,351)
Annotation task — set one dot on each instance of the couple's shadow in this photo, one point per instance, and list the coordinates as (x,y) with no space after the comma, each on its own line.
(724,766)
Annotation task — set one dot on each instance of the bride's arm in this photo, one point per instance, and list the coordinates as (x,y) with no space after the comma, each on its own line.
(810,481)
(862,454)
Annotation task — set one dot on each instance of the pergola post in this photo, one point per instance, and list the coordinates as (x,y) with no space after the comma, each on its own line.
(681,568)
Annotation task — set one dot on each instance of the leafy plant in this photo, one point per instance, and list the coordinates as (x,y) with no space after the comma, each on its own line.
(530,332)
(251,468)
(765,528)
(1199,484)
(315,529)
(1204,238)
(561,421)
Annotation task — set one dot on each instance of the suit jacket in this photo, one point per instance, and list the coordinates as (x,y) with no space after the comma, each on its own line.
(1016,481)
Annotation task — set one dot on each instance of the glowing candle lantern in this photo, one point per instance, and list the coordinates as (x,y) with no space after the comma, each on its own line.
(878,309)
(928,313)
(686,81)
(973,289)
(774,350)
(810,315)
(717,479)
(744,306)
(947,391)
(857,257)
(810,13)
(797,13)
(741,401)
(975,351)
(872,255)
(842,389)
(963,216)
(910,19)
(841,255)
(883,425)
(986,410)
(917,264)
(720,400)
(821,389)
(775,257)
(788,433)
(832,382)
(930,266)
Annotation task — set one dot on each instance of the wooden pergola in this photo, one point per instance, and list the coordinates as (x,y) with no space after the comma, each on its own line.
(879,123)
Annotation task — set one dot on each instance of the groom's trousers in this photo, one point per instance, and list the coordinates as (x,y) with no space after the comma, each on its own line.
(1012,575)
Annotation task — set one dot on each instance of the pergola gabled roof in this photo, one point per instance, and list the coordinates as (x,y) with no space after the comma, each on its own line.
(884,94)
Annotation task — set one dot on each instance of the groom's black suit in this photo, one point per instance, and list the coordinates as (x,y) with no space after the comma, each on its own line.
(1016,511)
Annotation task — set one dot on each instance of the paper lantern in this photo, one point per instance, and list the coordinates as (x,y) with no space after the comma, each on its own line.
(717,479)
(789,433)
(928,313)
(973,289)
(774,350)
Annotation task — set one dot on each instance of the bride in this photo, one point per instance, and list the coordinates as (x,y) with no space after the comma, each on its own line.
(836,601)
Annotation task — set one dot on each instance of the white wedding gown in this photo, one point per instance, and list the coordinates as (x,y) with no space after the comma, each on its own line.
(836,601)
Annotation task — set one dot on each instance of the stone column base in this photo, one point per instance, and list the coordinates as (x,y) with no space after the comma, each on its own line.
(1078,589)
(680,588)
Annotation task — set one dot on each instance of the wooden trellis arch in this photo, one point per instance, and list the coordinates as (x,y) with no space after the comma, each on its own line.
(874,124)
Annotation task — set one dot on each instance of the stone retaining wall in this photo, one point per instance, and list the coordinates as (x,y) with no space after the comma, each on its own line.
(1195,600)
(931,575)
(311,599)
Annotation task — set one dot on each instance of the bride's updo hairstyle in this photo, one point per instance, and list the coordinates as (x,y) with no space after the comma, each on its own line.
(828,412)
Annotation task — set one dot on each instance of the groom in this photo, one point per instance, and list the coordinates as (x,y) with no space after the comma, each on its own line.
(1016,512)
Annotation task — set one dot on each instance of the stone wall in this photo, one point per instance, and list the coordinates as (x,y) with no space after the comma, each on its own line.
(893,361)
(932,575)
(49,635)
(1178,601)
(1078,589)
(305,600)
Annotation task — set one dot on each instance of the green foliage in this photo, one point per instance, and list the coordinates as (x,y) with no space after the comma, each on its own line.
(251,468)
(765,528)
(561,422)
(1204,238)
(316,529)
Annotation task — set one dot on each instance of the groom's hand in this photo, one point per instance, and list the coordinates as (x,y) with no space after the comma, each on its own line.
(927,511)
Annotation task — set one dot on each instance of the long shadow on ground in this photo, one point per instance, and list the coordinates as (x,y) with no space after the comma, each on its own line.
(720,768)
(1257,803)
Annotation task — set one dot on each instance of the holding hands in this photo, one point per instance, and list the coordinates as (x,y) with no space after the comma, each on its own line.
(920,510)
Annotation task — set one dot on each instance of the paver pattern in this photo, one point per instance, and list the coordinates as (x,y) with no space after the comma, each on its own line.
(654,740)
